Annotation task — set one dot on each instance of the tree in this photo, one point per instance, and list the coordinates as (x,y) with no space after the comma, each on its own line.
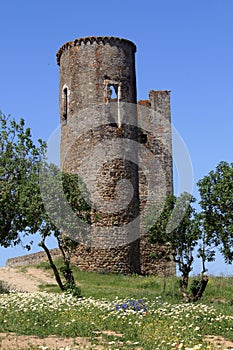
(46,196)
(216,191)
(178,227)
(19,158)
(32,194)
(56,191)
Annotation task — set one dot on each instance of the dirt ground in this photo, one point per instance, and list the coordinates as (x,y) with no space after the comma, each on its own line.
(13,341)
(25,280)
(28,280)
(219,342)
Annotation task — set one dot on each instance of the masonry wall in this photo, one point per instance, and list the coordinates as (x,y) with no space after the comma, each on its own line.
(155,134)
(31,259)
(91,131)
(85,64)
(91,146)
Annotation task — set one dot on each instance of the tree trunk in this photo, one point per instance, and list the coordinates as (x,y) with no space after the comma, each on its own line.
(185,269)
(201,289)
(68,274)
(67,271)
(185,294)
(53,266)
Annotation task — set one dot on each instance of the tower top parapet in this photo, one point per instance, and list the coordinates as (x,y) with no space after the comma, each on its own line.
(100,40)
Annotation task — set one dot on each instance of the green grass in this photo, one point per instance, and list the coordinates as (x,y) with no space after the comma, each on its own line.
(110,306)
(112,285)
(106,285)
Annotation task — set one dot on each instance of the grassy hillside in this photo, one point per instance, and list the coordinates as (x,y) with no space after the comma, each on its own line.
(110,286)
(123,312)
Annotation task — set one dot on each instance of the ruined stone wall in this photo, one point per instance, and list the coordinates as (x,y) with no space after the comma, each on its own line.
(155,135)
(95,134)
(92,130)
(32,259)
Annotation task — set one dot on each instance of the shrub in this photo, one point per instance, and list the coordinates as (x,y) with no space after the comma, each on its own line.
(4,288)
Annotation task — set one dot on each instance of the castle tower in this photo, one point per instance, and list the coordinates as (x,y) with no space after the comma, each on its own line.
(97,80)
(101,128)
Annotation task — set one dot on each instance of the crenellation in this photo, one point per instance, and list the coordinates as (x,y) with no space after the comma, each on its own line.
(110,139)
(95,40)
(99,75)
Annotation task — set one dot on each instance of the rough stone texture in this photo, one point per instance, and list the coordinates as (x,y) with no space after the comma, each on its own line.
(99,140)
(91,144)
(32,259)
(156,138)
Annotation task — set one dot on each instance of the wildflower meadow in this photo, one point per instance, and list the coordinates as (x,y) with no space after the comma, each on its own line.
(123,323)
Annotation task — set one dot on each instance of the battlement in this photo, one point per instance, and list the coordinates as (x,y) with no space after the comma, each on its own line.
(100,40)
(94,72)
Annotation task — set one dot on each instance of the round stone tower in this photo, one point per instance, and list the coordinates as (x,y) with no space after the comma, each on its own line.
(86,63)
(98,116)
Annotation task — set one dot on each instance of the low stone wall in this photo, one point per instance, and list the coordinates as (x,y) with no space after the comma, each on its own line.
(32,259)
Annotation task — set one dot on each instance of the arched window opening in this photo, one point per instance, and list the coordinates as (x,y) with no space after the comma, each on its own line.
(112,93)
(65,103)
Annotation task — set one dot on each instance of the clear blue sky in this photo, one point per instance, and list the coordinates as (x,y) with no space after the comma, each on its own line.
(182,46)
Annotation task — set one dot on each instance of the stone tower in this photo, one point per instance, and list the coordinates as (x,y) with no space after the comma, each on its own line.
(99,136)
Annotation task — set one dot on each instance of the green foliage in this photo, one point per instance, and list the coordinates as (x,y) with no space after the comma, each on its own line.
(65,201)
(33,192)
(195,285)
(66,206)
(19,160)
(177,229)
(37,197)
(216,191)
(74,290)
(4,288)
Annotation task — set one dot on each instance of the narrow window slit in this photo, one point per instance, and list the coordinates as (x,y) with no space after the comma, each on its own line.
(65,104)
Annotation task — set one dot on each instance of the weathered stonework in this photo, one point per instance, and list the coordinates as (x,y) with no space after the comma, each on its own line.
(159,143)
(32,259)
(99,141)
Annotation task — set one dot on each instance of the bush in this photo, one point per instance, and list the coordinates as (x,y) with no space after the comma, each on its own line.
(4,288)
(74,291)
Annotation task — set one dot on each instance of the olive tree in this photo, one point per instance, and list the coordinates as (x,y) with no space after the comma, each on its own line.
(19,159)
(216,192)
(178,227)
(32,196)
